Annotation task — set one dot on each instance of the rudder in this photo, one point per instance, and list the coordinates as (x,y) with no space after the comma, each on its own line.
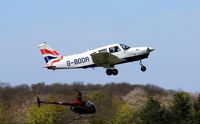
(48,53)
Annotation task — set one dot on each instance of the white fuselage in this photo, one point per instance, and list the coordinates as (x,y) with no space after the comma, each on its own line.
(84,60)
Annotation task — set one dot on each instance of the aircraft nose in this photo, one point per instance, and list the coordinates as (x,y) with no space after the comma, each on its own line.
(150,49)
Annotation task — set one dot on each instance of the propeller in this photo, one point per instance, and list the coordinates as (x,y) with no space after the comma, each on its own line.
(150,49)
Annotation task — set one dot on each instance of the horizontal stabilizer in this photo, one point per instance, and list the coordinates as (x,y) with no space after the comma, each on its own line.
(49,67)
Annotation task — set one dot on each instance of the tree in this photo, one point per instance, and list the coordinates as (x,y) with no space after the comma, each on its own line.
(124,114)
(153,113)
(196,114)
(3,114)
(181,109)
(103,101)
(46,114)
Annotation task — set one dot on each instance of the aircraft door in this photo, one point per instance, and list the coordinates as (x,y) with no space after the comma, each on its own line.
(117,51)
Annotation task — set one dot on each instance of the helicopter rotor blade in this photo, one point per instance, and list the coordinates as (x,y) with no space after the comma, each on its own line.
(79,95)
(79,92)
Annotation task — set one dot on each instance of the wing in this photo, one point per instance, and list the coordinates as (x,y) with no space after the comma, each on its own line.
(105,59)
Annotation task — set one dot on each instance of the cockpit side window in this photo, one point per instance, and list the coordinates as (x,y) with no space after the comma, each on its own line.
(125,47)
(114,49)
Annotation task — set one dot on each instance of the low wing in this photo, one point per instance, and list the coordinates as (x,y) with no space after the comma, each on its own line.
(105,59)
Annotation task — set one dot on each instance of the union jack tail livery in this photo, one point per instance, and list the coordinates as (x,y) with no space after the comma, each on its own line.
(49,54)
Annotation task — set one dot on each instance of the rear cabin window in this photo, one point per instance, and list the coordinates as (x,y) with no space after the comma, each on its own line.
(93,53)
(103,50)
(114,49)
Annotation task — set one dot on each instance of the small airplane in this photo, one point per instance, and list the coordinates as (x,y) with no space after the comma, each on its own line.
(106,57)
(78,106)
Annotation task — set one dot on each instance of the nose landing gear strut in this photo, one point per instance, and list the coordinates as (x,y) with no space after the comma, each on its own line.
(143,68)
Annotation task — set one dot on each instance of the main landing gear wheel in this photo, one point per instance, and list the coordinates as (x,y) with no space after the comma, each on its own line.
(143,68)
(114,71)
(111,72)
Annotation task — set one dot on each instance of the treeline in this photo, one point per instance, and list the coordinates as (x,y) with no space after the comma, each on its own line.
(116,103)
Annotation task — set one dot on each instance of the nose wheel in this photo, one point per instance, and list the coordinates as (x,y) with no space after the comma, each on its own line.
(111,71)
(143,68)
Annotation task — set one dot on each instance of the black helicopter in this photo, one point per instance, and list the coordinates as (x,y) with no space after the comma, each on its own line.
(78,106)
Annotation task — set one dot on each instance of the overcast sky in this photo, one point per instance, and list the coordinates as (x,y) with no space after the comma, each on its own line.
(172,27)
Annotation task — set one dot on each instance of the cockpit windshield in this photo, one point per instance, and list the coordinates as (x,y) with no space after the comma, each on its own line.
(88,103)
(125,47)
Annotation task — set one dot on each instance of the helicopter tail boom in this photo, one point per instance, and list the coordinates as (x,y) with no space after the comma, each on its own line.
(57,103)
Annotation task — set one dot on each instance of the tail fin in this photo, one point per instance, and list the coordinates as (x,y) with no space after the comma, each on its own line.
(49,54)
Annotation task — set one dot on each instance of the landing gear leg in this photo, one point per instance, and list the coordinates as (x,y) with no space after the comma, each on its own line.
(143,68)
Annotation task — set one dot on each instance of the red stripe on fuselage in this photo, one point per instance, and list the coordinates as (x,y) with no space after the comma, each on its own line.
(45,51)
